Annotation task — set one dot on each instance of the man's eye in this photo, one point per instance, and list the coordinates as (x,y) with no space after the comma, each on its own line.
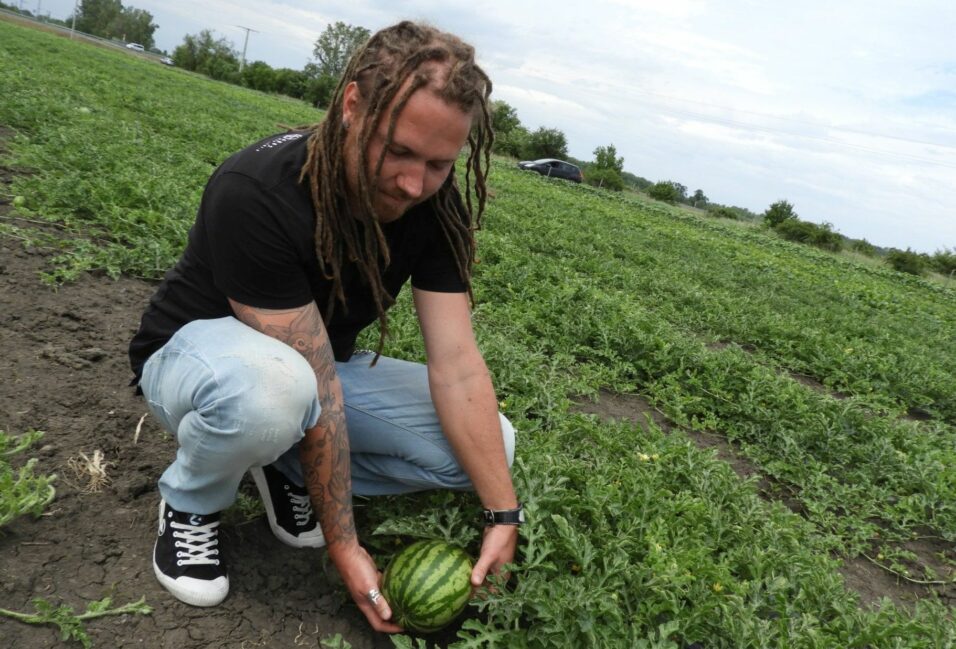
(398,153)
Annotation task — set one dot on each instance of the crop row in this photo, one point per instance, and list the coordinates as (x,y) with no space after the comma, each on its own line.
(637,538)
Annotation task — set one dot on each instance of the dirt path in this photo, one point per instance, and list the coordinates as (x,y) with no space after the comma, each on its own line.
(64,371)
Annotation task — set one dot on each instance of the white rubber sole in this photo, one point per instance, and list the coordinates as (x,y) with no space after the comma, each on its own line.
(195,592)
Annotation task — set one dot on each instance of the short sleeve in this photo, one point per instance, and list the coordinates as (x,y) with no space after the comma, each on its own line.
(436,268)
(255,244)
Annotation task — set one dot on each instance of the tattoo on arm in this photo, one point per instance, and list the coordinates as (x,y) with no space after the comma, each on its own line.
(324,452)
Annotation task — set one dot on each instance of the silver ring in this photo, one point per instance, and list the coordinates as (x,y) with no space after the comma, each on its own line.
(373,596)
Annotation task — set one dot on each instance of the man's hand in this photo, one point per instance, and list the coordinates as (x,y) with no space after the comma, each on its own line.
(497,548)
(360,575)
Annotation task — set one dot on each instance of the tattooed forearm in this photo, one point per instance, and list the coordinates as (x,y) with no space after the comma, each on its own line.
(324,452)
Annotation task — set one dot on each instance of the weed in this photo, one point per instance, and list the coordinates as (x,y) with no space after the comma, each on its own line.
(70,623)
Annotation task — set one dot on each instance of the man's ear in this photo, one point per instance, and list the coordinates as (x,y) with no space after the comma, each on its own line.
(351,104)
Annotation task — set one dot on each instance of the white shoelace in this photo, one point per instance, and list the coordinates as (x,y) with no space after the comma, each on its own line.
(199,543)
(301,508)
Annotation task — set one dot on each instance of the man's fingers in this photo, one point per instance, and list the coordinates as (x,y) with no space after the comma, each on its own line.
(480,571)
(383,609)
(378,615)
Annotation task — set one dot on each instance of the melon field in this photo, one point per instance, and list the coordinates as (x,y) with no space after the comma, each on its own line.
(725,440)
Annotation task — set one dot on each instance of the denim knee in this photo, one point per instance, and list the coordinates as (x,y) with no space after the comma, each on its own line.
(278,403)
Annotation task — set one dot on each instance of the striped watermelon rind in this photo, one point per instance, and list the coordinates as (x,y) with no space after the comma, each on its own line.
(427,585)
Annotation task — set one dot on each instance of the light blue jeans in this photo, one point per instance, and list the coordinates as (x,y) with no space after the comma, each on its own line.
(236,398)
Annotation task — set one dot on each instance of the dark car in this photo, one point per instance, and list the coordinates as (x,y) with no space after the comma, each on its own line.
(553,168)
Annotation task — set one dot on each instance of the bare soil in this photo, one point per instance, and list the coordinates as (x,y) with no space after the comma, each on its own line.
(64,371)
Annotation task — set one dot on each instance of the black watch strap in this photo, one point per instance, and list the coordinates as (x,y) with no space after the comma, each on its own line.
(503,516)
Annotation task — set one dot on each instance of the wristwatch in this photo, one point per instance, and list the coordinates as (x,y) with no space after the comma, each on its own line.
(503,516)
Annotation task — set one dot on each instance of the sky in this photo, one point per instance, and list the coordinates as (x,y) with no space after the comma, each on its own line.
(845,109)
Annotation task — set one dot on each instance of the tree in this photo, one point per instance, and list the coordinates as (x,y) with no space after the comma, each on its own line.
(291,82)
(514,142)
(319,86)
(778,212)
(96,16)
(907,261)
(605,157)
(504,117)
(260,76)
(668,190)
(335,45)
(547,143)
(109,19)
(699,199)
(135,26)
(606,169)
(205,54)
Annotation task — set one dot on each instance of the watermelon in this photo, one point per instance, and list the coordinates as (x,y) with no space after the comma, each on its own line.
(427,584)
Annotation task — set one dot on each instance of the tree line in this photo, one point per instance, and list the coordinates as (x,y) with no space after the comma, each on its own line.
(316,82)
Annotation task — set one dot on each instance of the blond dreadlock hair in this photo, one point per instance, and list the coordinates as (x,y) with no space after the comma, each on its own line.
(406,52)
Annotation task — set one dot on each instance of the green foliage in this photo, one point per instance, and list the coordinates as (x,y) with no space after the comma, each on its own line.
(319,87)
(604,178)
(699,199)
(668,191)
(821,236)
(504,117)
(110,19)
(721,211)
(205,54)
(944,262)
(260,76)
(546,143)
(21,490)
(605,157)
(70,623)
(778,212)
(124,203)
(514,143)
(863,247)
(335,46)
(635,182)
(907,261)
(635,537)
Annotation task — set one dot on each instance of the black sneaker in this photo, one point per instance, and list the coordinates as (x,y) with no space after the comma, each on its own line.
(288,509)
(186,557)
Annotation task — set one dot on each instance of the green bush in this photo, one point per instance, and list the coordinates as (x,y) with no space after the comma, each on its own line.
(821,236)
(665,191)
(722,212)
(907,261)
(779,212)
(863,247)
(513,142)
(944,262)
(604,178)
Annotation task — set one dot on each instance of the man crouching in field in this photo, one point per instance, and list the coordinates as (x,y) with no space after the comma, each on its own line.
(246,351)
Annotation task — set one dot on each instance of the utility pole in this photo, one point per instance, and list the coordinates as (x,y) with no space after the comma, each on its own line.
(242,61)
(76,3)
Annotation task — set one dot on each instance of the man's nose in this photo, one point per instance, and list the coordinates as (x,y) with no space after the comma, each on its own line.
(412,180)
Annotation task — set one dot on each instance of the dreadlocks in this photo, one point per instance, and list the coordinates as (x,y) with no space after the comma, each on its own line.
(394,64)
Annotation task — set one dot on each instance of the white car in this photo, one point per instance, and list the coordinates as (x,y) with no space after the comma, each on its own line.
(135,46)
(166,61)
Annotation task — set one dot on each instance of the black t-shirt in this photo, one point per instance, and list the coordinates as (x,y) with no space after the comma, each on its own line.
(253,241)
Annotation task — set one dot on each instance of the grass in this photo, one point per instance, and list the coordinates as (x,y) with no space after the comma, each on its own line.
(635,538)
